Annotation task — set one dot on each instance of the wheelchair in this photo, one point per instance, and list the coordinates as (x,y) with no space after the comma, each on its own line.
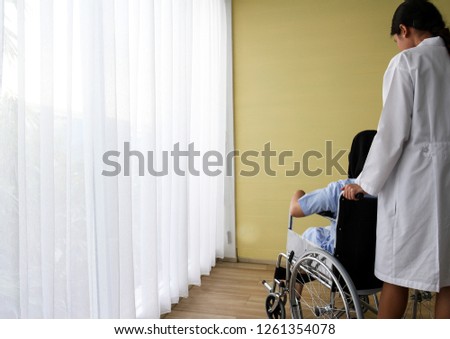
(420,305)
(316,284)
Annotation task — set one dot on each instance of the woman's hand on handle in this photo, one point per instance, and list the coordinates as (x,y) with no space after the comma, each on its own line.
(351,191)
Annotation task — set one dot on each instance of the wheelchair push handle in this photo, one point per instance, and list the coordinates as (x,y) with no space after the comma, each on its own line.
(359,196)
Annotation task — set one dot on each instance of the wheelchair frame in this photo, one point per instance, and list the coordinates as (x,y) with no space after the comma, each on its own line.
(317,285)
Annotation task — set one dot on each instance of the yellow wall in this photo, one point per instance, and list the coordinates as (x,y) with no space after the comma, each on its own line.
(305,71)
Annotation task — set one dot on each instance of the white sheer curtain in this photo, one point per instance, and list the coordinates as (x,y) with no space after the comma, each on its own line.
(81,78)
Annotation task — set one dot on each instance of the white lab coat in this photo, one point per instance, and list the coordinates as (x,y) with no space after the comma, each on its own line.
(408,167)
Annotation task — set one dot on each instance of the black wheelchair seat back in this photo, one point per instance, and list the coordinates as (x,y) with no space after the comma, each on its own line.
(355,241)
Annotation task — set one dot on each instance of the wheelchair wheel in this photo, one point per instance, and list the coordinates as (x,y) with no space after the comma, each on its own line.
(364,299)
(320,287)
(275,307)
(420,305)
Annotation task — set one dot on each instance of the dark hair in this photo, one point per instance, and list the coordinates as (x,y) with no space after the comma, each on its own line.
(358,152)
(423,16)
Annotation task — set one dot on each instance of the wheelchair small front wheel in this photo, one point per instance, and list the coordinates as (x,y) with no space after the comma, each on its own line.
(275,307)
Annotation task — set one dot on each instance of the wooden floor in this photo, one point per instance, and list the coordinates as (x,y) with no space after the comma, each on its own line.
(232,290)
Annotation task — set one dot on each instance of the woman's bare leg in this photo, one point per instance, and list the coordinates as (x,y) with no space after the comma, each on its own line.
(442,307)
(393,301)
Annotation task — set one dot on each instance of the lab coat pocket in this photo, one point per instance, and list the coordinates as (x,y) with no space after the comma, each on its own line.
(387,202)
(393,209)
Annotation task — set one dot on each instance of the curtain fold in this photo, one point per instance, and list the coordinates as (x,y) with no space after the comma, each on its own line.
(92,86)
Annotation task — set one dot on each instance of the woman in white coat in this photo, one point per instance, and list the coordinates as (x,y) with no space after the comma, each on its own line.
(408,166)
